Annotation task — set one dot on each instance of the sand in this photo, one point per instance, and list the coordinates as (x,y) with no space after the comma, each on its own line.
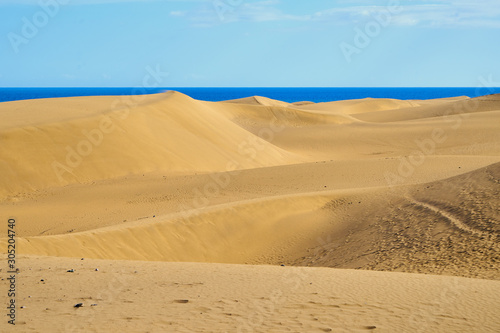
(140,296)
(394,202)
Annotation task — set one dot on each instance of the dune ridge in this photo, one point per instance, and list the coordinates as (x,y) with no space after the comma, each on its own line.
(131,140)
(164,180)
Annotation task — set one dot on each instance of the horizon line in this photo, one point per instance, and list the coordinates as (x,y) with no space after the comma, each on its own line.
(297,87)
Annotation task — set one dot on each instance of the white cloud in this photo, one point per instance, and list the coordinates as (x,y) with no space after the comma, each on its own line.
(427,13)
(264,11)
(177,13)
(458,13)
(422,13)
(221,11)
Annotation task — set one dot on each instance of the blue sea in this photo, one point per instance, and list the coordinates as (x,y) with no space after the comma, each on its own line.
(290,95)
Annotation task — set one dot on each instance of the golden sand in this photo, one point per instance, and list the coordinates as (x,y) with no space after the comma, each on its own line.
(186,192)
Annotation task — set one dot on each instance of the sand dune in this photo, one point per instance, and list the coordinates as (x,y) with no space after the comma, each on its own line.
(449,107)
(397,229)
(444,227)
(173,133)
(373,184)
(363,105)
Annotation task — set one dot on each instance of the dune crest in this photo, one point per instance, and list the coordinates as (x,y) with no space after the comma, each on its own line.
(168,132)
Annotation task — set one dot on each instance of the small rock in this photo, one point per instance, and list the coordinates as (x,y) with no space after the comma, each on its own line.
(181,301)
(78,305)
(42,280)
(97,269)
(282,265)
(23,307)
(82,259)
(93,304)
(70,270)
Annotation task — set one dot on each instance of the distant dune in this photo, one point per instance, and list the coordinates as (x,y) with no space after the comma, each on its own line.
(402,187)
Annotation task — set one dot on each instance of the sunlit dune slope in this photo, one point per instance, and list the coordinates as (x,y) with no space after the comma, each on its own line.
(170,132)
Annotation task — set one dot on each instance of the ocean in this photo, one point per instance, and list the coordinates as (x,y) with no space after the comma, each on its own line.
(290,95)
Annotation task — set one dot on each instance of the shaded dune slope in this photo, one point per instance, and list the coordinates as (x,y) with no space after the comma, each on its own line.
(412,228)
(450,226)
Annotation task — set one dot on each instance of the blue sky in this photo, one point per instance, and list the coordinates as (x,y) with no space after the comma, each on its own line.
(245,43)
